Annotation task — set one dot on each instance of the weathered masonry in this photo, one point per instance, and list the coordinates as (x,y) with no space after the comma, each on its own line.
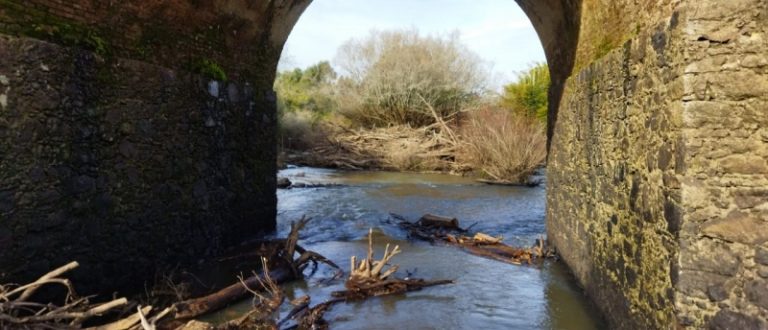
(138,134)
(135,135)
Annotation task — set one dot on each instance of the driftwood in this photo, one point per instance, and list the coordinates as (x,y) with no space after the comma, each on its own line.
(436,221)
(534,183)
(261,316)
(479,244)
(370,277)
(18,312)
(233,293)
(285,267)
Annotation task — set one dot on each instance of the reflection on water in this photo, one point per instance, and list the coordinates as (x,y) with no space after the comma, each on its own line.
(487,294)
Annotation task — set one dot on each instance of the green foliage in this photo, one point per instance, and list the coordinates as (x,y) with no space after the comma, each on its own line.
(311,89)
(209,69)
(529,94)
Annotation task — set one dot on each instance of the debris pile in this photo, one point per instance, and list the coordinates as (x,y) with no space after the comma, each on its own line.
(435,228)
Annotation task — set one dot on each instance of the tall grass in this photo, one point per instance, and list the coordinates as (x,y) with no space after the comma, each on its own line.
(503,146)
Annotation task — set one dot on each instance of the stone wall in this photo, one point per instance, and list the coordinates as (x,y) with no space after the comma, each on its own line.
(125,166)
(723,261)
(243,38)
(657,174)
(613,199)
(119,149)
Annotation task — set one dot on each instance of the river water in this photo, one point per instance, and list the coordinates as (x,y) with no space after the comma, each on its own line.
(486,294)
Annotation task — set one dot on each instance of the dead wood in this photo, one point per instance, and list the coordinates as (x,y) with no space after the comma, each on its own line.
(436,221)
(16,311)
(435,229)
(265,305)
(224,297)
(313,317)
(280,258)
(370,277)
(534,183)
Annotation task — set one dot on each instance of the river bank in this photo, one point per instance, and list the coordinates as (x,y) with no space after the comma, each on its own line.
(489,144)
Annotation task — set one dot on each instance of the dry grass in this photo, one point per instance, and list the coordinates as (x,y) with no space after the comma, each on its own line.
(300,130)
(492,142)
(398,148)
(502,146)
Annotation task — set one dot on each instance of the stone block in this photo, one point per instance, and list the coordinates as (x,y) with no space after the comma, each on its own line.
(709,255)
(761,255)
(744,164)
(730,320)
(701,284)
(757,292)
(738,227)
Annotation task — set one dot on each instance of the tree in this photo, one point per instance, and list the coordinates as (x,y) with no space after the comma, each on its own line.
(310,89)
(528,95)
(390,76)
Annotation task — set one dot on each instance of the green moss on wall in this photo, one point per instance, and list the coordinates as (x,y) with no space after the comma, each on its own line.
(69,35)
(208,68)
(41,25)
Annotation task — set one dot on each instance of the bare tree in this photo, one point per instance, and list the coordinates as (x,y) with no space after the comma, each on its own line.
(388,75)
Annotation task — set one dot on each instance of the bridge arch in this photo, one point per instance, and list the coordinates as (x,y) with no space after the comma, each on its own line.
(145,129)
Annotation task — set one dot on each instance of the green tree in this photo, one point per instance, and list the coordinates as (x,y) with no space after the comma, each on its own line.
(528,95)
(310,89)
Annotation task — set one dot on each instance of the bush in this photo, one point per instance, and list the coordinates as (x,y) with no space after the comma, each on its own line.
(300,130)
(503,146)
(529,94)
(391,75)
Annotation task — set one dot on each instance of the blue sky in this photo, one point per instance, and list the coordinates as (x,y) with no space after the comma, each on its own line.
(497,30)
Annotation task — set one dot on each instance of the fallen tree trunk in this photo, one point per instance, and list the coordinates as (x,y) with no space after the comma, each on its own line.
(233,293)
(281,259)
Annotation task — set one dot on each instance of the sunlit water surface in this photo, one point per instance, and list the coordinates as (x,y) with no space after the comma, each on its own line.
(486,294)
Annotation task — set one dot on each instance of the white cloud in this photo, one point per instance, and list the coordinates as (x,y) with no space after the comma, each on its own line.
(497,30)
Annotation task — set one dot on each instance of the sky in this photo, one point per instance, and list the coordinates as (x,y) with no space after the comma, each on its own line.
(496,30)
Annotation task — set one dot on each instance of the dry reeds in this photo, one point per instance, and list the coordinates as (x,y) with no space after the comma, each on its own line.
(506,148)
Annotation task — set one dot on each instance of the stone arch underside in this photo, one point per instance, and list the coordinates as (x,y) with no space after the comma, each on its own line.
(121,138)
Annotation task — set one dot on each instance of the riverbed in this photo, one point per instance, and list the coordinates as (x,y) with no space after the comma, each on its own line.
(486,294)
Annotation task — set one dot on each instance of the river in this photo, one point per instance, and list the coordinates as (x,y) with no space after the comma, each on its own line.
(486,294)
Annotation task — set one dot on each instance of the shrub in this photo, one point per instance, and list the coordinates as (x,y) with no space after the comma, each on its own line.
(505,147)
(389,77)
(299,130)
(528,95)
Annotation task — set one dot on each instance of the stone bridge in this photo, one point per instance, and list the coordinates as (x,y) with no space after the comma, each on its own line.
(136,135)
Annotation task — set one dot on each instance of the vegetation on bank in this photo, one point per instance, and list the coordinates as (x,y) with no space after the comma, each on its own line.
(403,101)
(527,96)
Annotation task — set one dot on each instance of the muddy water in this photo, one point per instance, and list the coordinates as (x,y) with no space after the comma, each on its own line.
(486,294)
